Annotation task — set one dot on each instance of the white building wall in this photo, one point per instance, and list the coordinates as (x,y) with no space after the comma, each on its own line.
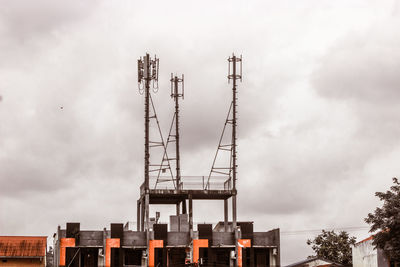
(364,255)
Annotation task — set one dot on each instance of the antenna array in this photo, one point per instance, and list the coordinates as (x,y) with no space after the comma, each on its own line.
(234,74)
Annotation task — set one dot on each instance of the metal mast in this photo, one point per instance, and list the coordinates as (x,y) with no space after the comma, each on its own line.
(234,73)
(234,76)
(147,79)
(147,71)
(175,94)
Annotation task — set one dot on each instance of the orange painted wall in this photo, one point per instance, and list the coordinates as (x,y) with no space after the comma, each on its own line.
(152,245)
(111,243)
(197,244)
(245,243)
(64,243)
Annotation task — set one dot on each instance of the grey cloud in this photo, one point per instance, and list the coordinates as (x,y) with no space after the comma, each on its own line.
(363,71)
(26,19)
(363,67)
(53,134)
(358,77)
(20,176)
(320,152)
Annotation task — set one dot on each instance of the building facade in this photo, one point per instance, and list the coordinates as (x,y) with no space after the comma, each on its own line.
(118,246)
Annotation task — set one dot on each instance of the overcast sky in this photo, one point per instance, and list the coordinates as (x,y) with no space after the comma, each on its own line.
(318,109)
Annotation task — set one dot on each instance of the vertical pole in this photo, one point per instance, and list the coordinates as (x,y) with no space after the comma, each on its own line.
(138,216)
(234,143)
(234,228)
(80,257)
(146,126)
(104,245)
(278,256)
(190,216)
(236,261)
(191,226)
(226,215)
(57,247)
(177,208)
(184,211)
(147,204)
(178,166)
(146,146)
(142,215)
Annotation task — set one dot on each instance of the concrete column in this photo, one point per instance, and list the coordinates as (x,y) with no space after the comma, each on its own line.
(177,208)
(191,216)
(147,215)
(272,258)
(236,246)
(138,216)
(80,258)
(142,216)
(184,207)
(226,215)
(56,259)
(278,249)
(146,210)
(104,245)
(234,210)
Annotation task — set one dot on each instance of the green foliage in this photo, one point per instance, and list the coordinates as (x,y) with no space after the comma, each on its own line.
(334,247)
(386,221)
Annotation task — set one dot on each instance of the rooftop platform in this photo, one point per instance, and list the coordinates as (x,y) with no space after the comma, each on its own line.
(164,190)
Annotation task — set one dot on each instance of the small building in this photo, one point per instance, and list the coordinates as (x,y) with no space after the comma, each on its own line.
(365,255)
(315,262)
(23,251)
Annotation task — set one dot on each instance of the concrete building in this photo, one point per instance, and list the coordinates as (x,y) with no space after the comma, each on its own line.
(120,247)
(365,255)
(23,251)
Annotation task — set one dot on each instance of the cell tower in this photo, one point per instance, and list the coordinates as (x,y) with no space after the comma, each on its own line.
(175,94)
(234,74)
(181,189)
(177,91)
(148,70)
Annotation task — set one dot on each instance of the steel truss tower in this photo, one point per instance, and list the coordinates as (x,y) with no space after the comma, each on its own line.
(187,188)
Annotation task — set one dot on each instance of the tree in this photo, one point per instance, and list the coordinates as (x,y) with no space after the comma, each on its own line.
(332,246)
(386,222)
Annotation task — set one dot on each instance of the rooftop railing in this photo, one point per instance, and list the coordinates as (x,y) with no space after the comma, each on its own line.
(190,183)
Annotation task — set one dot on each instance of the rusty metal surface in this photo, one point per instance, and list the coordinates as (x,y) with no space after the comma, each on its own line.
(22,246)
